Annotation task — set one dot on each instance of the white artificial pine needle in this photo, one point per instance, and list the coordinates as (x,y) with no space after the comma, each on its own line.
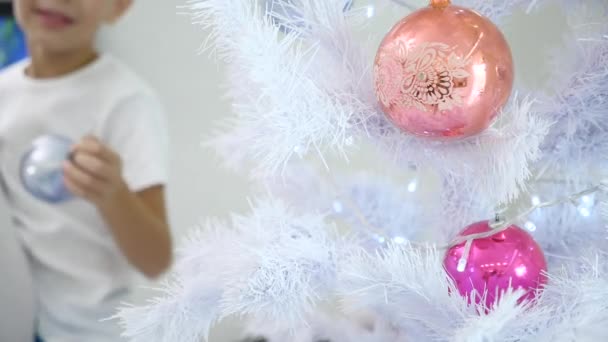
(302,93)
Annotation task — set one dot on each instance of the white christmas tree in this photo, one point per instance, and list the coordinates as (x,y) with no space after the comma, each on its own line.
(327,254)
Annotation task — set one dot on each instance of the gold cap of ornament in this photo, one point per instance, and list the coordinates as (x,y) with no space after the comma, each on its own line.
(440,3)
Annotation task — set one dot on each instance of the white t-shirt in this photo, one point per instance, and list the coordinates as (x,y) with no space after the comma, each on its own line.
(80,275)
(16,300)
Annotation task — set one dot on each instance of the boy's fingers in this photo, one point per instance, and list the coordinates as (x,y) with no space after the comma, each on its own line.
(92,146)
(92,165)
(74,188)
(86,184)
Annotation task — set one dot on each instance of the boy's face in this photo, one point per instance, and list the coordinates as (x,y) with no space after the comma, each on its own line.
(64,25)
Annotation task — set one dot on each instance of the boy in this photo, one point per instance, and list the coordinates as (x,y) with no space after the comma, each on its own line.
(82,252)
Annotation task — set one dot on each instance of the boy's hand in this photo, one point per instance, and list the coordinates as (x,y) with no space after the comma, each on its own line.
(94,172)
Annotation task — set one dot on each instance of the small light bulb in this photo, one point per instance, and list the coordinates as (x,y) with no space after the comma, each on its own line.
(535,200)
(585,212)
(588,201)
(370,11)
(530,226)
(413,186)
(338,207)
(399,239)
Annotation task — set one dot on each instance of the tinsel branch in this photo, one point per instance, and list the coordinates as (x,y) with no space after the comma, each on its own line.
(407,286)
(502,154)
(184,312)
(604,213)
(578,98)
(577,297)
(371,204)
(304,87)
(498,10)
(567,229)
(288,99)
(334,327)
(286,107)
(273,264)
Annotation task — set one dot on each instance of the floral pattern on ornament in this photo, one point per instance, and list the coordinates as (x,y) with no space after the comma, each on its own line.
(422,76)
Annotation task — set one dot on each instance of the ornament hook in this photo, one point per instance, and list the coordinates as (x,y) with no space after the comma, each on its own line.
(440,4)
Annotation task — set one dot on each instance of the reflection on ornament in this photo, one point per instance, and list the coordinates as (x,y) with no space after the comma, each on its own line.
(443,72)
(510,258)
(42,168)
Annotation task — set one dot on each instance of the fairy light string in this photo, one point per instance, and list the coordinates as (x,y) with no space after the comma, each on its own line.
(501,223)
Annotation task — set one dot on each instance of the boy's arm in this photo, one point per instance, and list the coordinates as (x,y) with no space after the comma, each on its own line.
(137,221)
(139,224)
